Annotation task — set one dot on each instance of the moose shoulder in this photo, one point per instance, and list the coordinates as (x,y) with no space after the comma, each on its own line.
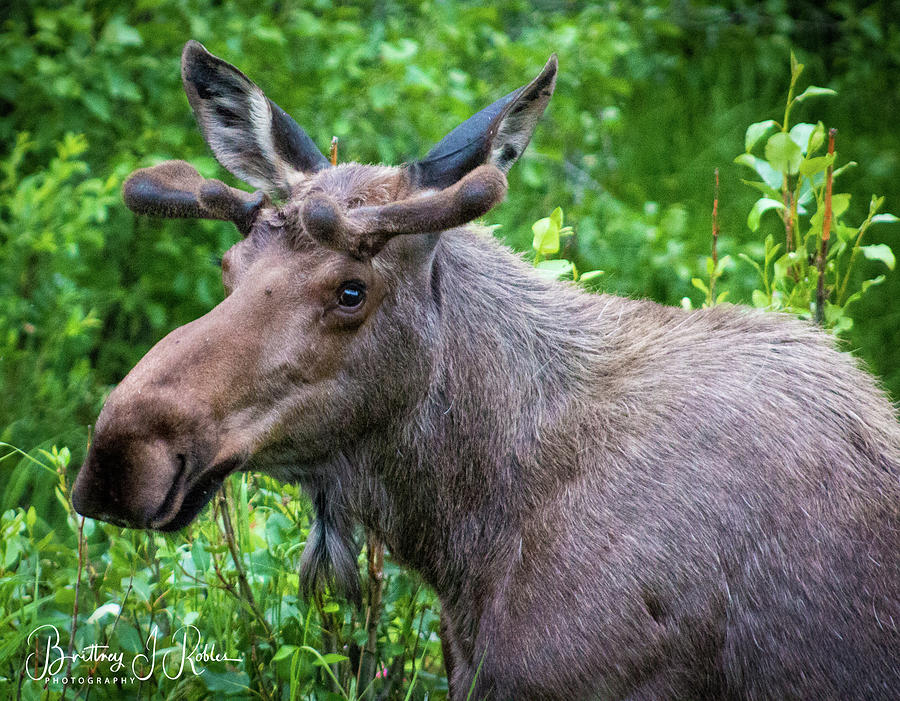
(612,499)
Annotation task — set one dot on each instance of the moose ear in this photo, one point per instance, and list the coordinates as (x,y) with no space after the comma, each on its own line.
(248,133)
(496,135)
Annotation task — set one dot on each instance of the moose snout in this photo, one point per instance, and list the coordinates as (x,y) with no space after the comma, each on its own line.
(128,481)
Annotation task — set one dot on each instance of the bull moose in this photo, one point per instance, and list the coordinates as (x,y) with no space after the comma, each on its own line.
(610,497)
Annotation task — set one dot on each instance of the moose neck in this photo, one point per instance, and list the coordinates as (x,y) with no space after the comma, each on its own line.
(508,381)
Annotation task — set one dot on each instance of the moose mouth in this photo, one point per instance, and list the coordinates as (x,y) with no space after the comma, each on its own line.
(189,493)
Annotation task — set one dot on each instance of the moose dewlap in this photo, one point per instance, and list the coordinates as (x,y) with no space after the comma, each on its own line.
(612,498)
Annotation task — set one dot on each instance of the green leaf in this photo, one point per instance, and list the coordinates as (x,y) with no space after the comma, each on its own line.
(284,651)
(556,269)
(590,275)
(331,607)
(760,207)
(814,91)
(801,133)
(546,236)
(796,68)
(816,139)
(845,233)
(764,188)
(771,176)
(118,32)
(757,131)
(811,166)
(879,251)
(783,154)
(885,218)
(760,299)
(330,658)
(128,638)
(839,204)
(700,285)
(200,556)
(863,288)
(108,609)
(725,263)
(748,259)
(556,217)
(846,166)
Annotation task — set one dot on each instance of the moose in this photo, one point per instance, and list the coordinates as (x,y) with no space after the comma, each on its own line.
(611,498)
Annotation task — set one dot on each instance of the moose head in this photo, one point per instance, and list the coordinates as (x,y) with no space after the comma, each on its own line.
(307,351)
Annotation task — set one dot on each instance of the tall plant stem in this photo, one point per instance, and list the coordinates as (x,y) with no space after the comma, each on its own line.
(826,233)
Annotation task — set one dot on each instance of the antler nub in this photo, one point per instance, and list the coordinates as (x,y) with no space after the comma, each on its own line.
(175,189)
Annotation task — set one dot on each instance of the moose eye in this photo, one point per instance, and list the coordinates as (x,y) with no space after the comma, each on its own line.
(351,295)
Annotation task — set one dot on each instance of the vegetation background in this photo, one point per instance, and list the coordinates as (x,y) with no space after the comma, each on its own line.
(652,97)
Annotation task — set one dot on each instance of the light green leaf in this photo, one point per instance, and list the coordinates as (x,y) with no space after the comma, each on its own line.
(801,133)
(760,207)
(118,31)
(556,269)
(760,299)
(879,251)
(884,218)
(783,154)
(846,166)
(725,263)
(757,131)
(110,609)
(814,91)
(839,204)
(748,259)
(845,233)
(816,139)
(590,275)
(764,188)
(557,217)
(771,176)
(546,236)
(811,166)
(700,285)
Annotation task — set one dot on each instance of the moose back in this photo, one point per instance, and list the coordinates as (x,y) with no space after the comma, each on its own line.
(611,498)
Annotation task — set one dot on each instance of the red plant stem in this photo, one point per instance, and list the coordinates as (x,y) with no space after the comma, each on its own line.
(715,242)
(826,232)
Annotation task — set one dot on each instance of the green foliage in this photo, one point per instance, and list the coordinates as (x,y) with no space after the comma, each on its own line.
(219,605)
(796,182)
(548,233)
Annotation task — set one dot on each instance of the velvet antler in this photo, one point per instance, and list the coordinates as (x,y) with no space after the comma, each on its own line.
(175,189)
(365,230)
